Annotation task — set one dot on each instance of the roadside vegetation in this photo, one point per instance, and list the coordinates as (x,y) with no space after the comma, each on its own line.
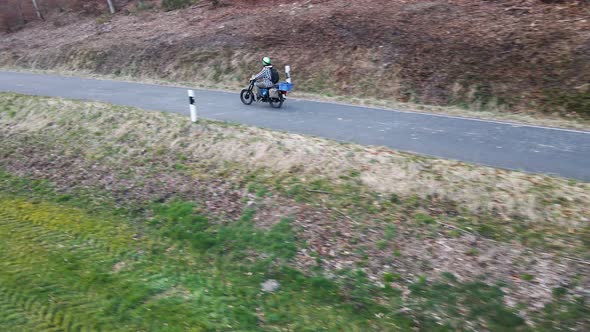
(117,219)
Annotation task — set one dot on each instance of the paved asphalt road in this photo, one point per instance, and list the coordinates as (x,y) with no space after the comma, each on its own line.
(518,147)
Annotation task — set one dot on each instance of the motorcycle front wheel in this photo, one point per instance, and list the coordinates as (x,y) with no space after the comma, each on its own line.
(246,96)
(277,102)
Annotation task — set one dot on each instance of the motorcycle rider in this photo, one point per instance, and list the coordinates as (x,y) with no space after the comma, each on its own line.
(264,78)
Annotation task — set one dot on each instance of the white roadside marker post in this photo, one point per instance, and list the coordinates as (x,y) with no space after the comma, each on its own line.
(192,106)
(111,6)
(36,7)
(288,73)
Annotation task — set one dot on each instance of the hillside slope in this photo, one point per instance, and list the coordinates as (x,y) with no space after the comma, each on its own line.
(507,54)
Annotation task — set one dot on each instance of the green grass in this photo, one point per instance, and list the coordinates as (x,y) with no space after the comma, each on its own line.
(66,264)
(176,4)
(181,271)
(424,219)
(475,299)
(58,273)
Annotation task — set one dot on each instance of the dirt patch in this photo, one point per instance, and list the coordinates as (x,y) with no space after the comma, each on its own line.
(125,182)
(409,253)
(119,266)
(271,210)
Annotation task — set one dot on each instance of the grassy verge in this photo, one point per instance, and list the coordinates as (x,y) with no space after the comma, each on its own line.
(532,118)
(66,268)
(63,268)
(358,237)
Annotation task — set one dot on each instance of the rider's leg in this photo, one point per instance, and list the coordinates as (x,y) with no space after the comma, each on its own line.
(256,91)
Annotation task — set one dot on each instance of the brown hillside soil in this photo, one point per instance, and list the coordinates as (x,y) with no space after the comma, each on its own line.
(505,54)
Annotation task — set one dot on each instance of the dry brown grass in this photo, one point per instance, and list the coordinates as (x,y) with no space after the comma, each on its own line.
(548,202)
(479,189)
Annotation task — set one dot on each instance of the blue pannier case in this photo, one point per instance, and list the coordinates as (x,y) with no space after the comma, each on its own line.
(284,86)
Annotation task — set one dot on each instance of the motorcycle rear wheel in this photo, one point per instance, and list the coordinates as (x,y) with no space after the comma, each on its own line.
(246,96)
(277,103)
